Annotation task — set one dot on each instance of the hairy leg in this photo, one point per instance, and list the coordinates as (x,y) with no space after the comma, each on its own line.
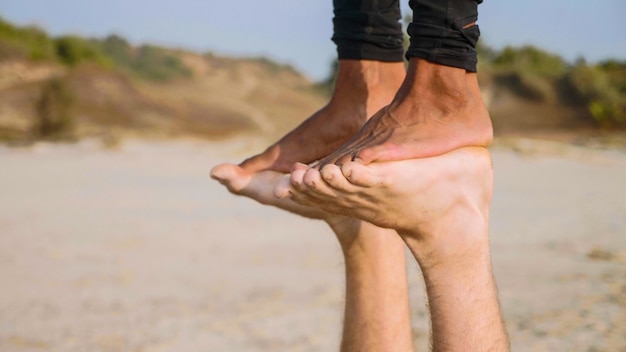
(462,294)
(376,314)
(440,207)
(362,87)
(437,109)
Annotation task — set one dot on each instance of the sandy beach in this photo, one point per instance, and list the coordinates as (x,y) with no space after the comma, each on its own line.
(137,249)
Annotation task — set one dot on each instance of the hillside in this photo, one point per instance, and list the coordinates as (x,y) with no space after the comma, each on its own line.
(69,87)
(220,97)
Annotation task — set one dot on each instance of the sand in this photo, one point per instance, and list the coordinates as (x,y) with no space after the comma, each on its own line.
(136,249)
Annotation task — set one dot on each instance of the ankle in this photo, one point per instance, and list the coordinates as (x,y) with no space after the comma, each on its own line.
(371,243)
(367,84)
(443,85)
(370,74)
(450,249)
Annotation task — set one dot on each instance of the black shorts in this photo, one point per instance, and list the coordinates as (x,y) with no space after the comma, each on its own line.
(371,30)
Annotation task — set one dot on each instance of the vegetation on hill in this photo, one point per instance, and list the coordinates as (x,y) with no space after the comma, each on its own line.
(540,76)
(68,87)
(146,61)
(109,82)
(543,76)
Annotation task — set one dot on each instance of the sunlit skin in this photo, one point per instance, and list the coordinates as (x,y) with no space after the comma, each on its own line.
(437,109)
(362,87)
(387,174)
(376,316)
(440,207)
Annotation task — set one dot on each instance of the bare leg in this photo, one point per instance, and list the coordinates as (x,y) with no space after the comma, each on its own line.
(440,207)
(376,316)
(437,109)
(377,309)
(462,295)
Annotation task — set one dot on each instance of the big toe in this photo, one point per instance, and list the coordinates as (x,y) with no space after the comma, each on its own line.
(220,172)
(231,176)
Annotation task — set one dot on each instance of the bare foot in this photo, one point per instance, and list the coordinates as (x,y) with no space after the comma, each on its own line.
(362,88)
(377,311)
(260,186)
(411,196)
(440,207)
(376,287)
(437,109)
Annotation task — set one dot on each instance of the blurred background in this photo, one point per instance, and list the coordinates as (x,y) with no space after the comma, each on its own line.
(545,67)
(113,112)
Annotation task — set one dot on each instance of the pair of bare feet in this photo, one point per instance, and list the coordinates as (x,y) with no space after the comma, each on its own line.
(418,168)
(434,109)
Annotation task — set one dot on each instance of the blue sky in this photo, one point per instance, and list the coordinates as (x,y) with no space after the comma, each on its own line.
(298,32)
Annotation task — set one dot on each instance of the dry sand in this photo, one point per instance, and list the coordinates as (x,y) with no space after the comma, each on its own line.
(137,249)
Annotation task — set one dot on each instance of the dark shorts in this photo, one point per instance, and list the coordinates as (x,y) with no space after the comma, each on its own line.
(371,30)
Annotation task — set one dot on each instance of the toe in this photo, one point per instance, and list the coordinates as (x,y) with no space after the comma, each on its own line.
(297,179)
(300,191)
(326,161)
(231,176)
(334,178)
(221,172)
(317,187)
(283,187)
(361,175)
(312,178)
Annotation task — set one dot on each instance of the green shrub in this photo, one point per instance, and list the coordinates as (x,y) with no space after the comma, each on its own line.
(73,50)
(31,42)
(41,46)
(602,98)
(157,64)
(616,73)
(531,60)
(117,49)
(147,62)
